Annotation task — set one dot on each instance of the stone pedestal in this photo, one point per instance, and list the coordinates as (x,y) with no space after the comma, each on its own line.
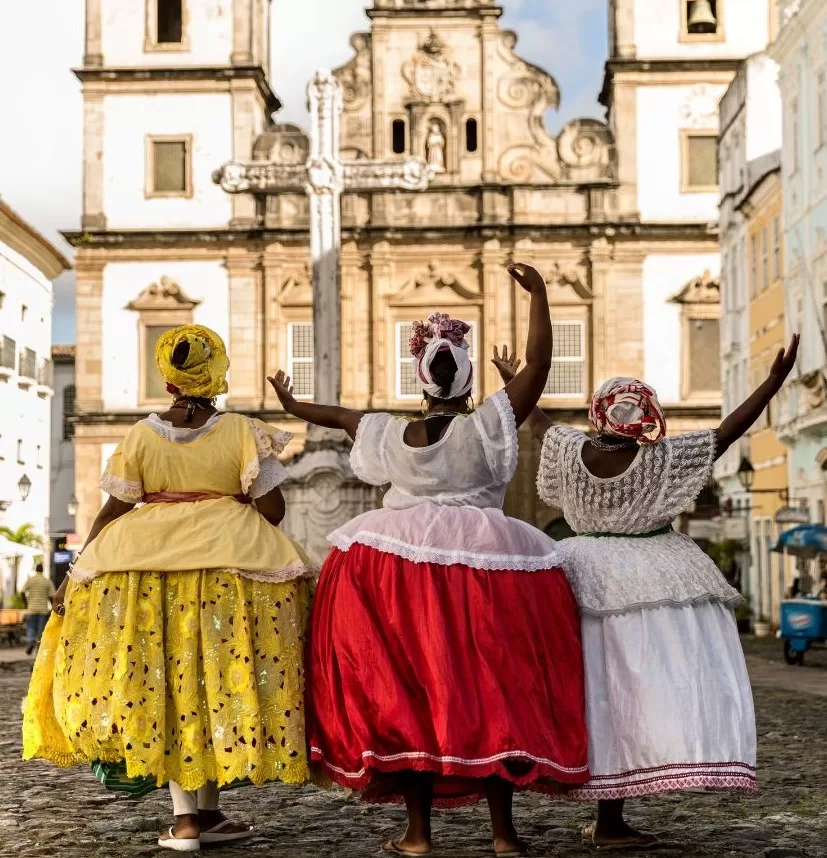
(323,492)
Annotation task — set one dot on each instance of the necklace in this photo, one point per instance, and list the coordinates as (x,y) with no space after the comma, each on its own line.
(611,446)
(444,414)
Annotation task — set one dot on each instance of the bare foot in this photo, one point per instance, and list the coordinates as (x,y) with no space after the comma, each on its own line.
(209,819)
(511,845)
(619,834)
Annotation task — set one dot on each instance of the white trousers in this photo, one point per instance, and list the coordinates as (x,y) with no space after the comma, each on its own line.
(189,803)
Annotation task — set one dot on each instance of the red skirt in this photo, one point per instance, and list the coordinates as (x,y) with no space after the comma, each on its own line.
(455,671)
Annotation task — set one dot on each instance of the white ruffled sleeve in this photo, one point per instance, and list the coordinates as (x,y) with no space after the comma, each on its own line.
(497,428)
(122,477)
(549,475)
(691,459)
(367,457)
(263,471)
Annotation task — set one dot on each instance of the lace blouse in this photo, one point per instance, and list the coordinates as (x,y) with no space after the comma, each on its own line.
(620,573)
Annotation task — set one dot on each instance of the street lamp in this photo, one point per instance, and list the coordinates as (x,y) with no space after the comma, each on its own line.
(746,474)
(72,506)
(24,487)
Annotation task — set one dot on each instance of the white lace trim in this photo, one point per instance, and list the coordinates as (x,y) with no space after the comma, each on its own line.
(181,434)
(269,444)
(271,475)
(509,423)
(357,460)
(442,556)
(124,490)
(269,576)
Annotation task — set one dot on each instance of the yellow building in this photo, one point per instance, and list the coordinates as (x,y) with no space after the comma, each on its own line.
(762,209)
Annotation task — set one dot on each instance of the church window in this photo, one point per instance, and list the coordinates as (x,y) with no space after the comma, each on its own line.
(567,378)
(300,365)
(170,22)
(69,396)
(169,167)
(471,141)
(408,386)
(700,162)
(702,20)
(399,135)
(154,386)
(704,356)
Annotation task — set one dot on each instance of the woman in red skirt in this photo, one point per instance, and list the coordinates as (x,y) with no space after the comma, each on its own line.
(444,659)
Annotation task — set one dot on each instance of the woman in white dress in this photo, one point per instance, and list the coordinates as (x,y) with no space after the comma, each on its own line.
(668,699)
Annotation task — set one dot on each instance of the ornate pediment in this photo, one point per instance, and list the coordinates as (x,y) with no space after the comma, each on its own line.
(429,287)
(297,289)
(163,295)
(430,73)
(283,144)
(705,289)
(356,76)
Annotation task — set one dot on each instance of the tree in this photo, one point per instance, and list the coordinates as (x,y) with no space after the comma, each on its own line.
(23,535)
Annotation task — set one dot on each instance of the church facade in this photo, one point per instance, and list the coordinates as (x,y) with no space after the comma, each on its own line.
(618,215)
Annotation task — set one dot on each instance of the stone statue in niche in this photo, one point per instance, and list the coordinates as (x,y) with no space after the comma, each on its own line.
(435,148)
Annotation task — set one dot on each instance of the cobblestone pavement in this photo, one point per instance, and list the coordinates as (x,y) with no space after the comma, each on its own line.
(65,813)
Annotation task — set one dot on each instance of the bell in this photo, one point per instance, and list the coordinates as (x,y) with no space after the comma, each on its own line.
(701,18)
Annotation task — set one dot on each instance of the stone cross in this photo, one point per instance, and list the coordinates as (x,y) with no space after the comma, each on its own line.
(325,177)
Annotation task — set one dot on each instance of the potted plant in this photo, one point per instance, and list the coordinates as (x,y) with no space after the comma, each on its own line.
(761,628)
(743,617)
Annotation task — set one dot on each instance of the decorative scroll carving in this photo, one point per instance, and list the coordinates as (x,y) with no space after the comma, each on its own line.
(520,163)
(569,278)
(430,74)
(163,295)
(527,85)
(284,144)
(813,385)
(237,178)
(411,175)
(586,148)
(356,76)
(433,280)
(705,289)
(297,289)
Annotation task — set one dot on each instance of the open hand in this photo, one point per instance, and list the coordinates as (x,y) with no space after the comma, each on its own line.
(507,365)
(284,390)
(784,361)
(527,276)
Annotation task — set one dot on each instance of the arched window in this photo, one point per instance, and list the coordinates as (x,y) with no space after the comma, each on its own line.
(471,140)
(68,411)
(170,22)
(399,137)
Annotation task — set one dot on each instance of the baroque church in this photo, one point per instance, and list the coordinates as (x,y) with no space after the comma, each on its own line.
(619,215)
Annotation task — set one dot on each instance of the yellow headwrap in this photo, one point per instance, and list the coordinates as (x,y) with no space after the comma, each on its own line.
(204,373)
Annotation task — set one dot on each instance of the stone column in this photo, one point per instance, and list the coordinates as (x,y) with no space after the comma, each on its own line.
(246,331)
(93,50)
(498,307)
(245,105)
(93,217)
(273,278)
(89,267)
(242,33)
(600,255)
(623,326)
(490,35)
(622,28)
(88,469)
(624,116)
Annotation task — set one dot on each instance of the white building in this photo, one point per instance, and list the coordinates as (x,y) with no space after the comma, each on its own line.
(750,128)
(63,504)
(28,264)
(801,52)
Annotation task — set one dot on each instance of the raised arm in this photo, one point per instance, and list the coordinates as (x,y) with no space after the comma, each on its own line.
(329,416)
(508,365)
(526,388)
(737,423)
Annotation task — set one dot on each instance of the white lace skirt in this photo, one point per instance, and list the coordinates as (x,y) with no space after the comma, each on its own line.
(668,703)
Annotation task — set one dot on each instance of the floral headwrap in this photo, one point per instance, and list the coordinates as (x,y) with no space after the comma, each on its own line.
(442,333)
(628,408)
(204,372)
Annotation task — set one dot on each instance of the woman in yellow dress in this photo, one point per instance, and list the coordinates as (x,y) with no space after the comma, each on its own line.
(177,646)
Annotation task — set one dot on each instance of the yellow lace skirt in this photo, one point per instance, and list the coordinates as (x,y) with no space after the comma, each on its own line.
(184,676)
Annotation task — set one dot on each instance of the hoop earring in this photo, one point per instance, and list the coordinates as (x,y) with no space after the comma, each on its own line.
(473,407)
(424,406)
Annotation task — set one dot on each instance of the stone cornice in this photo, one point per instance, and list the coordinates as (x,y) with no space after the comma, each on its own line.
(29,243)
(615,67)
(612,230)
(222,74)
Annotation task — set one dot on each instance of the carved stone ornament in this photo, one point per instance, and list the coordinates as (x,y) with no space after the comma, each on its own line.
(699,109)
(433,279)
(297,289)
(568,278)
(163,295)
(813,384)
(705,289)
(237,178)
(411,175)
(284,144)
(430,74)
(586,148)
(356,76)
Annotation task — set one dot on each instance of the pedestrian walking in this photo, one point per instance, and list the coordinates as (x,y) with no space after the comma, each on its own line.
(668,700)
(444,658)
(179,654)
(38,592)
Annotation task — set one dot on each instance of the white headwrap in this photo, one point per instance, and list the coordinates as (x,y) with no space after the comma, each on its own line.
(442,334)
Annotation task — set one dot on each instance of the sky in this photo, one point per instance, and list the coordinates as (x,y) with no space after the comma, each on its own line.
(41,110)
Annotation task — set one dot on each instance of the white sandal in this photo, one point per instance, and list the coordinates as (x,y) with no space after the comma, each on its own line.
(184,844)
(216,834)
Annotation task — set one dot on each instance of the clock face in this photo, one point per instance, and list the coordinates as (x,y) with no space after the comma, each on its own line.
(699,106)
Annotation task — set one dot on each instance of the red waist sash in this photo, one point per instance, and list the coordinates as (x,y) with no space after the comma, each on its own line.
(190,497)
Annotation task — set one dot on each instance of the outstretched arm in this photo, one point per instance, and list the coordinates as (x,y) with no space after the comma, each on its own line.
(329,416)
(737,423)
(526,388)
(508,365)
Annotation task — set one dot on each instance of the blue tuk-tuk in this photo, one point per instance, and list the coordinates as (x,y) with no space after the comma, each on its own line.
(804,617)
